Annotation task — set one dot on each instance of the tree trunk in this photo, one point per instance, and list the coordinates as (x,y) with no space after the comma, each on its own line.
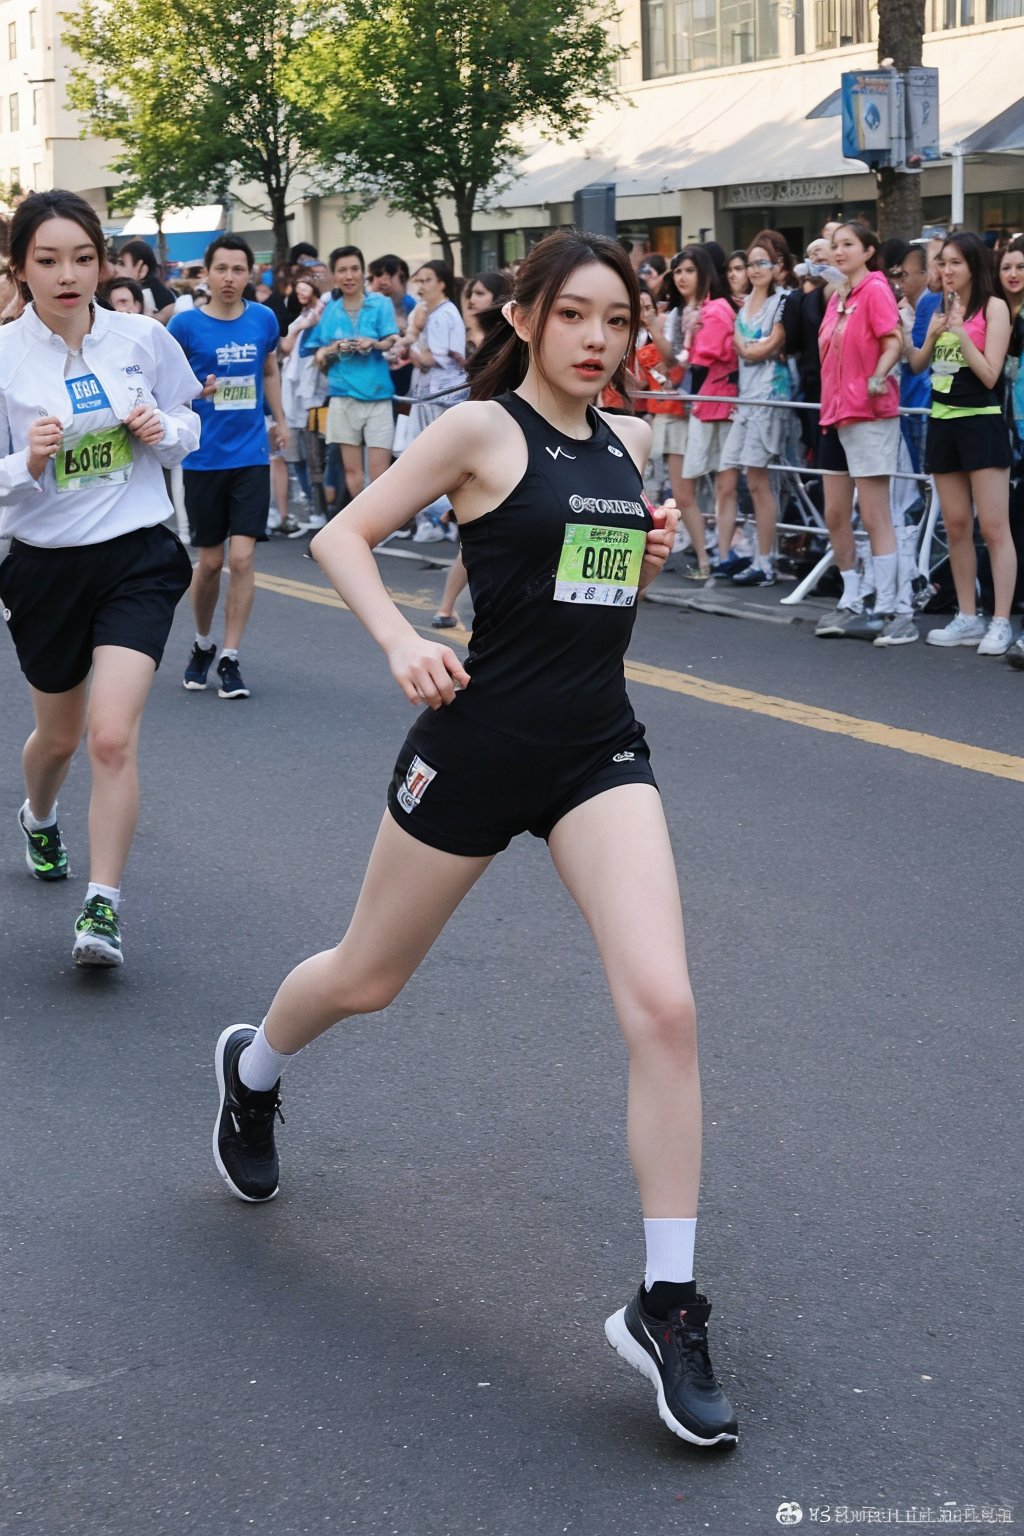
(464,212)
(279,217)
(900,34)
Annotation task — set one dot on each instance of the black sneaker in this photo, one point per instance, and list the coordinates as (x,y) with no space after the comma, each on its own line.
(673,1354)
(243,1136)
(46,856)
(231,685)
(198,666)
(97,935)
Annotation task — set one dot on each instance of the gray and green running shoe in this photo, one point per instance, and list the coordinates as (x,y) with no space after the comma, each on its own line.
(46,856)
(97,935)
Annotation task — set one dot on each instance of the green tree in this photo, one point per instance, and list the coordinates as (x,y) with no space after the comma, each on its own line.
(191,95)
(900,38)
(423,102)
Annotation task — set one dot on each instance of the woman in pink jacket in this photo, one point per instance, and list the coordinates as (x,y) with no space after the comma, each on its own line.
(860,343)
(714,371)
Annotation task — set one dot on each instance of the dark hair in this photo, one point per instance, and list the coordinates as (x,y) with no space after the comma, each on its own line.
(775,244)
(390,266)
(35,210)
(497,284)
(892,251)
(717,255)
(656,261)
(444,274)
(709,284)
(916,250)
(227,242)
(501,362)
(302,249)
(868,240)
(134,288)
(979,262)
(345,250)
(310,281)
(138,250)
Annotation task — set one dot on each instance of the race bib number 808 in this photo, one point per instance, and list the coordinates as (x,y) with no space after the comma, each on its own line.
(600,565)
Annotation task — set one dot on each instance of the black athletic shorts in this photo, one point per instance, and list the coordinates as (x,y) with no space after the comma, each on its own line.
(465,789)
(829,452)
(220,502)
(957,444)
(61,603)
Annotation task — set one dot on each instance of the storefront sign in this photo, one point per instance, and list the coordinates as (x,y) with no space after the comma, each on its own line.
(765,194)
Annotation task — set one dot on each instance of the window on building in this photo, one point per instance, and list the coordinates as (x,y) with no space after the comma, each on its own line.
(37,106)
(33,17)
(680,36)
(12,39)
(37,177)
(14,109)
(842,23)
(1003,10)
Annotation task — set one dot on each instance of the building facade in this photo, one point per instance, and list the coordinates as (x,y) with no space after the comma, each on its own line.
(710,136)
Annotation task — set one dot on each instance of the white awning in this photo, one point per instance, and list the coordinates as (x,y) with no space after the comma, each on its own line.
(183,221)
(724,128)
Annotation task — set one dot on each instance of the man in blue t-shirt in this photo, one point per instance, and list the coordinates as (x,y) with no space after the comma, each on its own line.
(350,340)
(918,304)
(232,346)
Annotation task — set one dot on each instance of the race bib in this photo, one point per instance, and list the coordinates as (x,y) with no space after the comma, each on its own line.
(600,565)
(99,456)
(947,360)
(235,393)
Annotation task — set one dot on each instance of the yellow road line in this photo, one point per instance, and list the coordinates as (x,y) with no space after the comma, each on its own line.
(957,754)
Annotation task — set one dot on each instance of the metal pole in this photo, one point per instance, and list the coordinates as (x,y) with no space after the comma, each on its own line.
(957,199)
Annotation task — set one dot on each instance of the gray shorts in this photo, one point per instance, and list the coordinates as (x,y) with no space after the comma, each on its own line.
(756,438)
(704,447)
(871,447)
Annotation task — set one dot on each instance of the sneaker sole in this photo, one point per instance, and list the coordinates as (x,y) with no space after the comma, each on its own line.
(238,693)
(193,687)
(94,952)
(992,652)
(624,1344)
(951,645)
(883,640)
(218,1062)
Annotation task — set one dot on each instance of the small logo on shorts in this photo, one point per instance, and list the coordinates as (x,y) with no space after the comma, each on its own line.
(617,451)
(417,782)
(624,757)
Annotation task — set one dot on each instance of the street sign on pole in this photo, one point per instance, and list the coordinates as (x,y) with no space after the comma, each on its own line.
(922,114)
(868,117)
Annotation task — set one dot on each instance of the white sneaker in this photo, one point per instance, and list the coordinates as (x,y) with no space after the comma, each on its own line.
(428,533)
(997,638)
(315,520)
(966,629)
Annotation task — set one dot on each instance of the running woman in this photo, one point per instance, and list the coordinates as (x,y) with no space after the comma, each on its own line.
(967,449)
(94,405)
(860,343)
(534,734)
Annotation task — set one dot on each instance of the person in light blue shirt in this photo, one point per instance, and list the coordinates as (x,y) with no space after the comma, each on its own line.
(349,342)
(918,304)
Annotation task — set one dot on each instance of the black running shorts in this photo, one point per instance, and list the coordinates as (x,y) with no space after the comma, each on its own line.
(960,444)
(220,502)
(469,790)
(62,603)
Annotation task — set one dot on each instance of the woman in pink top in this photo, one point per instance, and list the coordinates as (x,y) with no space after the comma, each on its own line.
(860,343)
(714,371)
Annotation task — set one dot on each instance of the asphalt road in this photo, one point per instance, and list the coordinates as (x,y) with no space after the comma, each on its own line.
(409,1339)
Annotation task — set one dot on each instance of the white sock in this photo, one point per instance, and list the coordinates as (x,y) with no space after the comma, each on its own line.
(851,588)
(205,642)
(111,894)
(226,651)
(34,823)
(886,575)
(764,563)
(669,1249)
(259,1065)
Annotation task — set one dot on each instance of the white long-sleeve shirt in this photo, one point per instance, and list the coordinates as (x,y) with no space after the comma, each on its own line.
(125,361)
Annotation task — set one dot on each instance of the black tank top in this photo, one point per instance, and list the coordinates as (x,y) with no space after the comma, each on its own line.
(553,576)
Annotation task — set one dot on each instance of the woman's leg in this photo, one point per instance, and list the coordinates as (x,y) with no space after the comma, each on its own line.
(765,513)
(409,892)
(453,585)
(60,721)
(875,514)
(613,854)
(121,681)
(954,492)
(838,493)
(684,493)
(726,489)
(990,489)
